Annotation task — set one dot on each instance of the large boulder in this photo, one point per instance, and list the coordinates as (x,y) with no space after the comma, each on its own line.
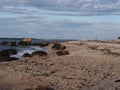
(8,52)
(28,40)
(58,46)
(38,54)
(62,52)
(25,41)
(4,55)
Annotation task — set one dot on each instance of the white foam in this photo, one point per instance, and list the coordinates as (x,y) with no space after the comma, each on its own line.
(22,50)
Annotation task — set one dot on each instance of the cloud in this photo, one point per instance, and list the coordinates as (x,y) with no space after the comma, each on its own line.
(65,7)
(59,18)
(65,29)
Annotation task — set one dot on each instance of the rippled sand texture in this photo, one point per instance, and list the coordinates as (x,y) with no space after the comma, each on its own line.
(90,65)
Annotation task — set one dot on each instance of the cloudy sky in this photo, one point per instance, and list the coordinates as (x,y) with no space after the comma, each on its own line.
(63,19)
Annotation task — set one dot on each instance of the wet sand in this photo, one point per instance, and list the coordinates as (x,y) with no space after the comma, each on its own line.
(90,65)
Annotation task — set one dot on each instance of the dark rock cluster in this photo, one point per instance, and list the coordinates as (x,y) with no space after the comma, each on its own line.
(60,49)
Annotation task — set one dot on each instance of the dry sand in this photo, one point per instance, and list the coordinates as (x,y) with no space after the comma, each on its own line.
(90,65)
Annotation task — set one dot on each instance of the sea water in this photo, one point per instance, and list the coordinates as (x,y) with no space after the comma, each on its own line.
(21,50)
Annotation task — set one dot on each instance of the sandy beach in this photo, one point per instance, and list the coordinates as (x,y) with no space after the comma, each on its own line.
(91,65)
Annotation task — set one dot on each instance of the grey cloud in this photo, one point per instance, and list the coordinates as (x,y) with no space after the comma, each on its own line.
(82,7)
(44,28)
(67,7)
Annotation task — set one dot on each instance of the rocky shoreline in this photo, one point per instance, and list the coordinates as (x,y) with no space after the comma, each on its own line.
(88,66)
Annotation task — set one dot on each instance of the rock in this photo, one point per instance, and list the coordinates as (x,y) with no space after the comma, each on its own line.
(36,44)
(117,80)
(25,41)
(40,87)
(38,54)
(3,59)
(11,51)
(26,55)
(4,53)
(28,89)
(7,53)
(58,46)
(4,43)
(12,43)
(41,44)
(28,40)
(44,44)
(63,52)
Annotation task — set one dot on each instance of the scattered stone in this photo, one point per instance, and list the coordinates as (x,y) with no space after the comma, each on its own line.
(63,52)
(40,87)
(117,80)
(58,46)
(46,74)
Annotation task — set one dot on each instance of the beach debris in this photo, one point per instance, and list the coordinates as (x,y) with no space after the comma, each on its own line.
(38,54)
(62,52)
(58,46)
